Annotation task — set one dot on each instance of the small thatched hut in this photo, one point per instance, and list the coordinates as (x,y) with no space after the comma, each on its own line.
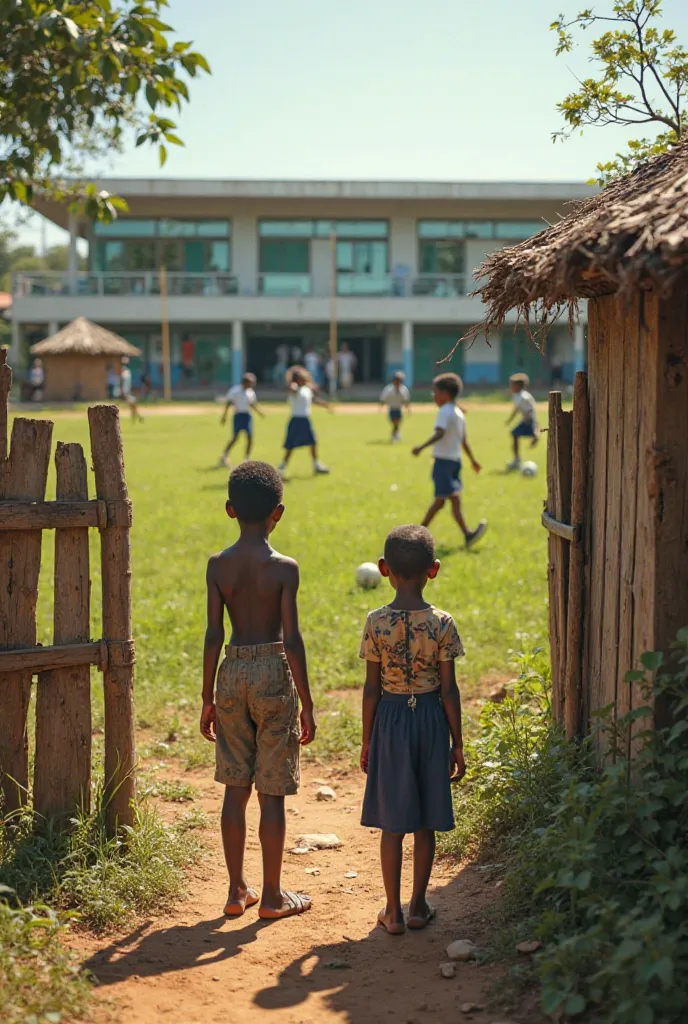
(76,361)
(619,565)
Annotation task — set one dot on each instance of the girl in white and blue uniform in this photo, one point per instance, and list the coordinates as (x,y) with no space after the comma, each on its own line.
(300,433)
(243,398)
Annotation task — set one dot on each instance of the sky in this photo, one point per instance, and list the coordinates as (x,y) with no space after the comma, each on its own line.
(401,89)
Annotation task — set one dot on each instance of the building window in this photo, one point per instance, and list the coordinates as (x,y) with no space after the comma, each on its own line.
(442,257)
(284,257)
(323,228)
(514,230)
(136,227)
(187,255)
(362,268)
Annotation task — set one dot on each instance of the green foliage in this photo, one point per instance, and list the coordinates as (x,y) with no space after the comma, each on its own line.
(106,880)
(517,765)
(599,871)
(642,79)
(39,979)
(73,76)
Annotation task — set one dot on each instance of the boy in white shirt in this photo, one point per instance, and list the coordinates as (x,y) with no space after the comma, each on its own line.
(524,403)
(243,398)
(394,396)
(448,441)
(300,433)
(125,389)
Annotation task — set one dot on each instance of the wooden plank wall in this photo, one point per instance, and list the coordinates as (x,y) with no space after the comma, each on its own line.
(638,489)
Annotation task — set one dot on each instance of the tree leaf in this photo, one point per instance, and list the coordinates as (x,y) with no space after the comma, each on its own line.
(163,154)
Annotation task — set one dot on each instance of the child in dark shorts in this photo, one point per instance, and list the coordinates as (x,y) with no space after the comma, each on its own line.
(252,714)
(448,441)
(411,706)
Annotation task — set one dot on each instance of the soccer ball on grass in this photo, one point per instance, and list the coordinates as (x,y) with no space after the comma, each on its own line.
(529,469)
(368,576)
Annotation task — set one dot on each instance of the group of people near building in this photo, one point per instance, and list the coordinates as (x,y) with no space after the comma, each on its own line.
(326,371)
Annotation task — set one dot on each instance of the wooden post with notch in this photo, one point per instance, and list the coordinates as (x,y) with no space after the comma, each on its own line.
(559,508)
(573,693)
(120,739)
(62,774)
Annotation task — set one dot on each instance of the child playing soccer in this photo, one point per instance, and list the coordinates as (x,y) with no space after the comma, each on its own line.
(448,441)
(524,403)
(125,389)
(394,396)
(411,705)
(300,433)
(243,398)
(253,717)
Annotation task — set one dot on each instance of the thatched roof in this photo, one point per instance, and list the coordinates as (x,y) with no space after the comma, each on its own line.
(84,338)
(633,234)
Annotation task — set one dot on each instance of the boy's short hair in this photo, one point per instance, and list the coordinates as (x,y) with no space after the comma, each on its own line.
(255,490)
(520,378)
(249,378)
(399,375)
(298,371)
(450,383)
(410,551)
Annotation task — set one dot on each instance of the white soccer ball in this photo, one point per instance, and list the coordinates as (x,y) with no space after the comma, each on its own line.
(529,469)
(368,576)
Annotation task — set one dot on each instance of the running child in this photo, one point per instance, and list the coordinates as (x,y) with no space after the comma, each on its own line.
(524,403)
(125,389)
(411,706)
(394,396)
(243,398)
(448,441)
(300,434)
(252,712)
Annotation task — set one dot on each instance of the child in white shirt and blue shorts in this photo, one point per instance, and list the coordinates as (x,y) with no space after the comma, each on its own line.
(300,432)
(524,403)
(243,398)
(448,441)
(395,396)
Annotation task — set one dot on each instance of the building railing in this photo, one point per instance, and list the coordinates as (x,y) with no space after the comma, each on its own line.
(274,285)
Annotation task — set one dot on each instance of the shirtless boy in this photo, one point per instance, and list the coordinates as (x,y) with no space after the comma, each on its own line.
(253,717)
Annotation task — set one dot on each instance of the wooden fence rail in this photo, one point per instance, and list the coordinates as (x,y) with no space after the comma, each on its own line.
(62,775)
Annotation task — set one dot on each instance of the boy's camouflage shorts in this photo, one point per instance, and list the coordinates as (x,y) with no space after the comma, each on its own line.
(257,721)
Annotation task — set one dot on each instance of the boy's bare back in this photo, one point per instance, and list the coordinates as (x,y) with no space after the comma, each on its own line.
(257,585)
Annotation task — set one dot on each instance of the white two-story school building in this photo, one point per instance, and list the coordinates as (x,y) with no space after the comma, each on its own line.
(258,268)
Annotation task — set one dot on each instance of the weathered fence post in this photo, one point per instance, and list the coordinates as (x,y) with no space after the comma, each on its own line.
(62,775)
(579,498)
(559,508)
(120,739)
(24,477)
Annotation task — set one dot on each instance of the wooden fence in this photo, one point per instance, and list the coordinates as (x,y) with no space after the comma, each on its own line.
(62,770)
(564,518)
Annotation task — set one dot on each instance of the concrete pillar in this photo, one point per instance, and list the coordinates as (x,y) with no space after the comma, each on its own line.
(578,348)
(73,259)
(53,328)
(407,348)
(245,253)
(237,351)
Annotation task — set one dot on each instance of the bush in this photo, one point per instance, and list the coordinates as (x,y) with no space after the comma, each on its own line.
(39,979)
(105,879)
(598,871)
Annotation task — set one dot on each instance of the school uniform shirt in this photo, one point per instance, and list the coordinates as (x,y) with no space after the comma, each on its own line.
(409,646)
(452,421)
(301,401)
(241,398)
(125,381)
(525,403)
(395,397)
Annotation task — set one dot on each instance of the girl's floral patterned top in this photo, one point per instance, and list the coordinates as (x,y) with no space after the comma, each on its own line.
(410,645)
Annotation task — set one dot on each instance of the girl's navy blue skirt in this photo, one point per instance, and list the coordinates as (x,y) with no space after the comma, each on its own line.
(242,421)
(299,433)
(408,787)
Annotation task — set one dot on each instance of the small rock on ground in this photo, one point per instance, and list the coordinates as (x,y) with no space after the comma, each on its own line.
(325,794)
(498,695)
(531,946)
(471,1007)
(448,970)
(461,949)
(319,841)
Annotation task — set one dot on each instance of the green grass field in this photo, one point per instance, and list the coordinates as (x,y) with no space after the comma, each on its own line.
(497,593)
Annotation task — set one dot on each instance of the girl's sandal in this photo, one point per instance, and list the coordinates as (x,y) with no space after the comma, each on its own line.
(391,927)
(294,903)
(415,922)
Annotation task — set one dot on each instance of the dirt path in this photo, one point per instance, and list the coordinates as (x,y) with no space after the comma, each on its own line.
(330,965)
